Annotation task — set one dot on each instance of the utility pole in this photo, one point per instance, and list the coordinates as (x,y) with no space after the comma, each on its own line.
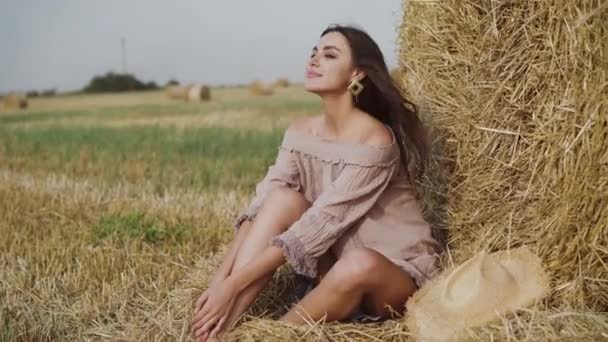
(123,43)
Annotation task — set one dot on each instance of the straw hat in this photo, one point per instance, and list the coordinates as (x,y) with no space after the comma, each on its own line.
(476,292)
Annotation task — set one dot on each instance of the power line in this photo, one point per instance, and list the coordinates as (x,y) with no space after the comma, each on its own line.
(123,43)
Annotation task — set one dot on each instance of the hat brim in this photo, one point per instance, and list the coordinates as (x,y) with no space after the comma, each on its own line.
(428,320)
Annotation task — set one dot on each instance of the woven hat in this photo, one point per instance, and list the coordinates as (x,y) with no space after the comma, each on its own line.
(476,292)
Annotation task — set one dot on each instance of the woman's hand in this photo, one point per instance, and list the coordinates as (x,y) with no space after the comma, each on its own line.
(212,308)
(214,283)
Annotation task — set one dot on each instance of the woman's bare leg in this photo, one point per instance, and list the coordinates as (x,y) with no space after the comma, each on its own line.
(325,263)
(224,269)
(360,276)
(280,209)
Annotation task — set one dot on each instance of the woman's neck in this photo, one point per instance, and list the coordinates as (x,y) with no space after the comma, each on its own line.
(337,112)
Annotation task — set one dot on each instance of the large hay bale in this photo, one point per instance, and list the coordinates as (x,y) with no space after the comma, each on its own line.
(517,92)
(14,100)
(259,88)
(198,92)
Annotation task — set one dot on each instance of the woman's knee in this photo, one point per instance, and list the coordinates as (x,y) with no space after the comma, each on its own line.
(287,201)
(354,269)
(280,209)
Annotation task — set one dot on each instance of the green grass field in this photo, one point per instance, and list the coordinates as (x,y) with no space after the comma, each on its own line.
(113,205)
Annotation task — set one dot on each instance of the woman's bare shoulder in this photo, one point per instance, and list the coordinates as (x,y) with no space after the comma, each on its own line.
(367,131)
(380,136)
(375,133)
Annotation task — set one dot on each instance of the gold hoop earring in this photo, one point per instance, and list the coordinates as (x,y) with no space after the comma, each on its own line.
(355,87)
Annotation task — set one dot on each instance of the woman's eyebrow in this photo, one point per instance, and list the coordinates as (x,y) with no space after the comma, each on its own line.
(328,47)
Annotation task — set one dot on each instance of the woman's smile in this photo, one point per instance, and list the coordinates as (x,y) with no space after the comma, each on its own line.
(312,74)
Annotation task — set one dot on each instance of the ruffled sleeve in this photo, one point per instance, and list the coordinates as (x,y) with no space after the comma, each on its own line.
(284,172)
(347,199)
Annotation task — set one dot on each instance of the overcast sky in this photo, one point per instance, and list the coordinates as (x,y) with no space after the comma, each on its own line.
(63,43)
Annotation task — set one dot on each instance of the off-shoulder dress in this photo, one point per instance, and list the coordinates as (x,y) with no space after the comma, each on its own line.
(360,198)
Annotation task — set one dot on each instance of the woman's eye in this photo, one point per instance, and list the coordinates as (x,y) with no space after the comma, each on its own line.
(327,55)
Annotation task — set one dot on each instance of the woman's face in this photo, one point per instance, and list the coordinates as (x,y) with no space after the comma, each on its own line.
(329,68)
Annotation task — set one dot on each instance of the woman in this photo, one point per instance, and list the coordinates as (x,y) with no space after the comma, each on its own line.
(339,204)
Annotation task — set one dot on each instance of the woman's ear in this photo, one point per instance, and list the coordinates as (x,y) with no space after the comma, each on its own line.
(358,74)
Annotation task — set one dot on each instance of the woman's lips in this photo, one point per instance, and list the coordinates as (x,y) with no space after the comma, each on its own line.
(312,74)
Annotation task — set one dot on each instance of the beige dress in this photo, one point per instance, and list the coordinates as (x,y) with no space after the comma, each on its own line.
(360,198)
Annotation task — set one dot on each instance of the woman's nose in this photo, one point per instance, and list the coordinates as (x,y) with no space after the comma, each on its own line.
(313,61)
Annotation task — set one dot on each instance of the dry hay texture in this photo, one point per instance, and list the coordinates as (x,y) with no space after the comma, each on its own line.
(516,98)
(515,94)
(128,291)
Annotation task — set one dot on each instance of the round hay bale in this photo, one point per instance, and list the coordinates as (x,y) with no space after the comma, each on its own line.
(259,88)
(516,91)
(198,92)
(281,83)
(177,92)
(14,100)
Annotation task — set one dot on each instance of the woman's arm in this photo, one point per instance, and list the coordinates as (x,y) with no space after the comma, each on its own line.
(340,205)
(266,262)
(284,172)
(214,307)
(223,271)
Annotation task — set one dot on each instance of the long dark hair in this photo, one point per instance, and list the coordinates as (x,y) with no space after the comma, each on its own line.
(382,98)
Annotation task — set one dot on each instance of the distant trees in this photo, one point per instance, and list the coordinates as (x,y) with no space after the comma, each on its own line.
(172,82)
(115,82)
(45,92)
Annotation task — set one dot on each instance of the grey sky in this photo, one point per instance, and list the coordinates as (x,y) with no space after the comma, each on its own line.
(63,43)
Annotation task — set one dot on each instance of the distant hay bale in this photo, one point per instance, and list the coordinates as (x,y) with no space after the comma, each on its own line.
(198,92)
(14,101)
(517,94)
(281,83)
(259,88)
(177,92)
(192,92)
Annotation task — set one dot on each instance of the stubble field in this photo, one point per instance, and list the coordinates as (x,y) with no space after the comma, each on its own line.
(115,208)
